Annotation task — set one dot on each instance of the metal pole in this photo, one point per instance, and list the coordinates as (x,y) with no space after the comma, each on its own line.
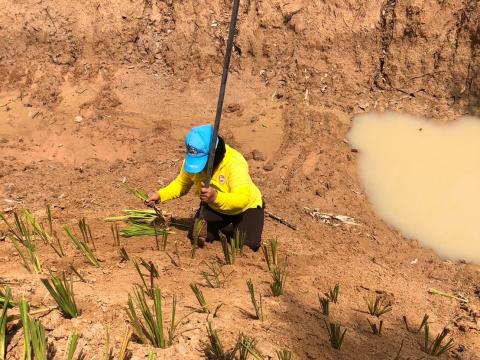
(221,96)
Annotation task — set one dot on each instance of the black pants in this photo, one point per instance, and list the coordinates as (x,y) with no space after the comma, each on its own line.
(250,222)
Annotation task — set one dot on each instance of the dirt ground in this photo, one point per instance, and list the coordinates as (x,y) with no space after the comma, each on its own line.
(92,92)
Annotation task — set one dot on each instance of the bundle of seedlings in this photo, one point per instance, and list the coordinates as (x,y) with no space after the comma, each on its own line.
(335,334)
(82,245)
(50,238)
(257,305)
(377,306)
(233,247)
(152,274)
(436,348)
(61,290)
(21,236)
(270,254)
(216,277)
(148,324)
(34,339)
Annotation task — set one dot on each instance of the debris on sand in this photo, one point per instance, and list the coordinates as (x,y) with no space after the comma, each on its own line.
(331,219)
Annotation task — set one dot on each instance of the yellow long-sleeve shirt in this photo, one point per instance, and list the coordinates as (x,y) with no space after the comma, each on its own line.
(236,191)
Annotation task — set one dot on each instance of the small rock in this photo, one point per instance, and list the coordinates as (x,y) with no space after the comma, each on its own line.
(78,119)
(258,155)
(268,167)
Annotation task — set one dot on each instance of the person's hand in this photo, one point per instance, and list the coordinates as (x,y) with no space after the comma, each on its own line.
(208,194)
(153,198)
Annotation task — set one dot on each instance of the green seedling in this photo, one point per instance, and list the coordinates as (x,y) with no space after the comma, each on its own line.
(279,276)
(86,232)
(422,324)
(83,247)
(335,334)
(138,193)
(3,298)
(247,346)
(72,345)
(213,349)
(332,294)
(216,277)
(436,348)
(148,325)
(378,306)
(49,238)
(141,230)
(123,353)
(284,354)
(107,350)
(257,305)
(61,290)
(270,254)
(233,247)
(28,254)
(197,241)
(200,298)
(152,274)
(152,355)
(325,304)
(39,340)
(376,328)
(7,296)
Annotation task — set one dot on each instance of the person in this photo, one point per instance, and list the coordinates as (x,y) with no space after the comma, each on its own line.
(231,200)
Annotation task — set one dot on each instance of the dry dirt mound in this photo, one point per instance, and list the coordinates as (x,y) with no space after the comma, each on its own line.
(92,92)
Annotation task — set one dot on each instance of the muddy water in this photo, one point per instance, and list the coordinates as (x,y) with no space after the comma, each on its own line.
(423,178)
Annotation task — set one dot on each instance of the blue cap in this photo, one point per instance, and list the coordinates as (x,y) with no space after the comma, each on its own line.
(198,146)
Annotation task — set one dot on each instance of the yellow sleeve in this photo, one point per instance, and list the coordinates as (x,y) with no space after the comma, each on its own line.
(240,185)
(178,187)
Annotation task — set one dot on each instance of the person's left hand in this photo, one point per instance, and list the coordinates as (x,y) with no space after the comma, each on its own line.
(208,194)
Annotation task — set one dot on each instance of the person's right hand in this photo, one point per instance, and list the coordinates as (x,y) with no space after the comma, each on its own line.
(153,198)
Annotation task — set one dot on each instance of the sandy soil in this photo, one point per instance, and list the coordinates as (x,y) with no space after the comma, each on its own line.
(140,73)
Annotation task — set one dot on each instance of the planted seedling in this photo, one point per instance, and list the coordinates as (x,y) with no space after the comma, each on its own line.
(123,254)
(197,241)
(200,298)
(49,238)
(332,294)
(72,345)
(115,234)
(82,246)
(86,232)
(107,351)
(257,305)
(216,277)
(233,247)
(422,324)
(7,296)
(61,290)
(123,353)
(335,334)
(148,325)
(247,346)
(152,274)
(378,306)
(376,328)
(270,254)
(325,304)
(213,349)
(279,276)
(34,339)
(284,354)
(436,348)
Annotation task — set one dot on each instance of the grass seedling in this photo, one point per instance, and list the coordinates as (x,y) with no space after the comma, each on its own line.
(86,232)
(197,241)
(200,298)
(39,340)
(247,346)
(152,355)
(138,193)
(27,339)
(284,354)
(123,254)
(150,329)
(422,324)
(257,305)
(164,240)
(270,254)
(83,247)
(332,294)
(378,306)
(325,304)
(279,276)
(335,334)
(123,353)
(436,348)
(176,261)
(72,345)
(376,328)
(61,290)
(231,248)
(115,234)
(48,238)
(213,349)
(216,277)
(3,322)
(152,274)
(4,294)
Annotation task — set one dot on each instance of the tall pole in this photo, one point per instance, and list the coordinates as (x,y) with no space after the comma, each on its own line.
(221,96)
